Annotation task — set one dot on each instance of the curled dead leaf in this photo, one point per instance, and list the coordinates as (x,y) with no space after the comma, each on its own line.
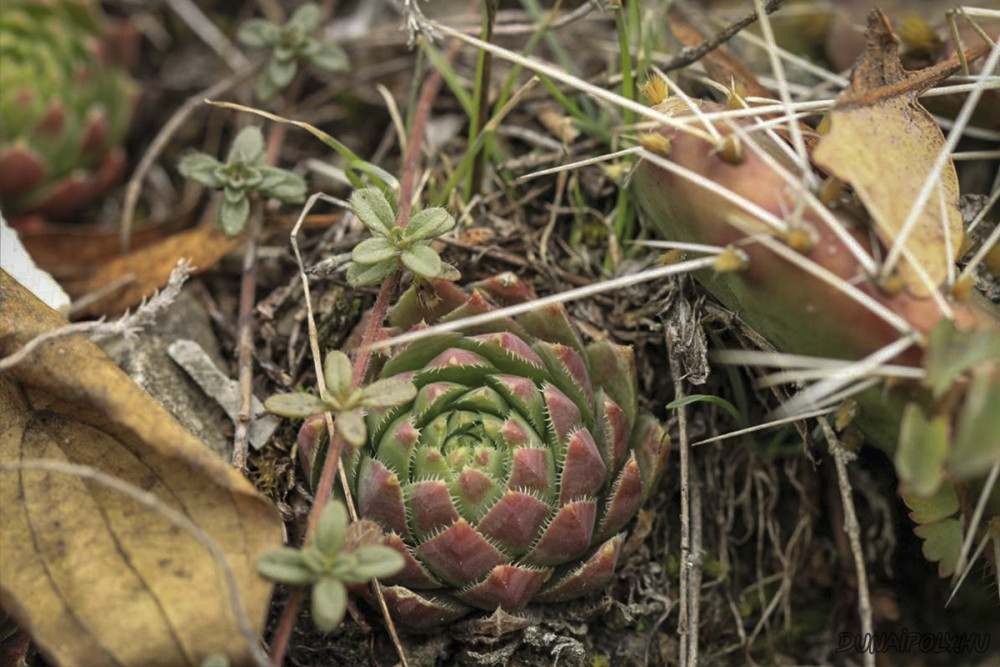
(885,144)
(95,576)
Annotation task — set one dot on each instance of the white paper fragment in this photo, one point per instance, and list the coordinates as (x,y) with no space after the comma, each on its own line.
(16,261)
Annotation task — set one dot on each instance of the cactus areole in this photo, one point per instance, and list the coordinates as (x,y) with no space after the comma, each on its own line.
(510,477)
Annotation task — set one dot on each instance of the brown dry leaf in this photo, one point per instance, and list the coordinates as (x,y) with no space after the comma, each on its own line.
(68,250)
(150,267)
(96,577)
(884,144)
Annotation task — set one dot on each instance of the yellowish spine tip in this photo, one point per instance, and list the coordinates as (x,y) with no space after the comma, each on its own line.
(824,125)
(962,288)
(830,191)
(891,285)
(846,413)
(616,172)
(655,142)
(800,239)
(737,95)
(655,90)
(991,260)
(671,257)
(731,260)
(730,150)
(918,38)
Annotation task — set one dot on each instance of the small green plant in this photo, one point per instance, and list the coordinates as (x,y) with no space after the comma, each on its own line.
(343,398)
(325,565)
(393,247)
(290,44)
(243,172)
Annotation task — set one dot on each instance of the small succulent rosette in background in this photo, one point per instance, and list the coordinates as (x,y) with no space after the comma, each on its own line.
(64,108)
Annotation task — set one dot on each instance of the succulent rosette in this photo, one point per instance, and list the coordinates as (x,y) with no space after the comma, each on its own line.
(510,476)
(64,109)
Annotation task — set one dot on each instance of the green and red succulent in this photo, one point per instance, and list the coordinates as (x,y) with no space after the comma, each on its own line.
(511,475)
(64,108)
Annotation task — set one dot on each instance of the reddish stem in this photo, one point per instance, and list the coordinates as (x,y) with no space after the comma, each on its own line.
(429,91)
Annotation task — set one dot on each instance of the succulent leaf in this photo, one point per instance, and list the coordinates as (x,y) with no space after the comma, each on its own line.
(508,475)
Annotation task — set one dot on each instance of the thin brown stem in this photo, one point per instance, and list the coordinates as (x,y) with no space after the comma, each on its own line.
(411,158)
(283,633)
(244,340)
(689,54)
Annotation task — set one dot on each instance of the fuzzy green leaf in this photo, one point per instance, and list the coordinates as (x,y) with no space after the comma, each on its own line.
(942,544)
(449,273)
(388,393)
(281,72)
(202,168)
(265,88)
(373,210)
(331,529)
(923,448)
(366,275)
(429,224)
(977,435)
(329,602)
(287,566)
(258,33)
(248,146)
(295,405)
(422,260)
(351,425)
(373,250)
(281,184)
(337,372)
(316,560)
(951,352)
(305,18)
(233,214)
(327,56)
(941,505)
(376,561)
